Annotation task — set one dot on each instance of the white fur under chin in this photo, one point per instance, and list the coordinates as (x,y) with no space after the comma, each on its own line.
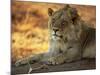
(56,38)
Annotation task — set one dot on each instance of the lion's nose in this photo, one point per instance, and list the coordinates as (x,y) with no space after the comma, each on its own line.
(55,29)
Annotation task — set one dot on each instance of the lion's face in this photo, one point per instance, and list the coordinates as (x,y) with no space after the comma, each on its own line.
(61,24)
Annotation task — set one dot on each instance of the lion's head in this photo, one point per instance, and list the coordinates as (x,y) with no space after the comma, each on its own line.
(63,23)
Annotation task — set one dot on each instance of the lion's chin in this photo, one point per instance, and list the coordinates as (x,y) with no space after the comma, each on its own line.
(56,38)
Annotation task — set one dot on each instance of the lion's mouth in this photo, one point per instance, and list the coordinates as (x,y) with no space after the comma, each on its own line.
(55,35)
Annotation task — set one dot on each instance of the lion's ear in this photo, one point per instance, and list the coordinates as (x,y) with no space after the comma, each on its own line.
(50,11)
(74,14)
(67,6)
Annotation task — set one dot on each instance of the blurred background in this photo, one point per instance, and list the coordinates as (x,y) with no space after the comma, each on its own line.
(30,29)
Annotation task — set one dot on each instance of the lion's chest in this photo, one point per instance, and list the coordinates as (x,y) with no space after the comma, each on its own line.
(56,47)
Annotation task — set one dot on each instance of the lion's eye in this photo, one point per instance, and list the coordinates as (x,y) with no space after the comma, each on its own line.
(53,20)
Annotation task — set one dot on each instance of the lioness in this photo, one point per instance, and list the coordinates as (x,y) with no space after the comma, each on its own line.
(70,38)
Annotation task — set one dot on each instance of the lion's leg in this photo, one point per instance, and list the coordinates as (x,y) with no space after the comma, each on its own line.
(73,55)
(90,52)
(32,58)
(69,55)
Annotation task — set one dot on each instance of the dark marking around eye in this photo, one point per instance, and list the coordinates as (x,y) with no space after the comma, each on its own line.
(53,20)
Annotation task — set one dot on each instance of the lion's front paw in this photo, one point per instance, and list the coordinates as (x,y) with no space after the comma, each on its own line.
(56,60)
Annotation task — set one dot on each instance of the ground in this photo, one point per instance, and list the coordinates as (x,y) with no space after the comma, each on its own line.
(84,64)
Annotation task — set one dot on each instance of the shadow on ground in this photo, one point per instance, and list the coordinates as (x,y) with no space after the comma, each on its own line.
(84,64)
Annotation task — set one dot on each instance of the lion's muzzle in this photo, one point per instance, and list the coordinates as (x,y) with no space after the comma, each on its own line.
(56,34)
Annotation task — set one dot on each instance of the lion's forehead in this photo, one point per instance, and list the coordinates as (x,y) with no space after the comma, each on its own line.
(57,14)
(60,16)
